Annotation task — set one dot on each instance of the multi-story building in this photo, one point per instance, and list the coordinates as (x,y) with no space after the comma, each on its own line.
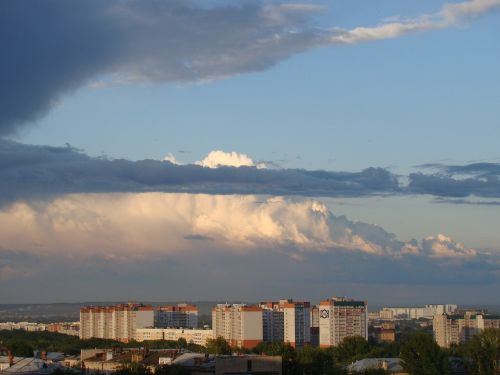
(240,324)
(287,321)
(273,321)
(429,311)
(117,322)
(180,316)
(315,316)
(340,318)
(458,328)
(195,336)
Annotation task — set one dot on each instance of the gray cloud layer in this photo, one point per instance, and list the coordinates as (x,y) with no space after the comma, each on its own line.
(478,179)
(404,280)
(51,48)
(28,171)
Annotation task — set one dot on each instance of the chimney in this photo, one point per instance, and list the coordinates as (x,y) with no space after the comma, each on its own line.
(11,358)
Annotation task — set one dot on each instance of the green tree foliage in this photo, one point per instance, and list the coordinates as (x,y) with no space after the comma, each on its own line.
(422,356)
(482,353)
(351,349)
(23,343)
(218,346)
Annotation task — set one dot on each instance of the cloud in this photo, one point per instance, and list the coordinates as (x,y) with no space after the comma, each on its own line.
(41,171)
(451,14)
(218,158)
(90,42)
(442,246)
(123,246)
(477,179)
(143,224)
(171,159)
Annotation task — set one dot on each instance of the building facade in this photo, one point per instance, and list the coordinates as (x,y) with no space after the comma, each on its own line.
(241,325)
(287,321)
(118,322)
(340,318)
(452,329)
(180,316)
(194,336)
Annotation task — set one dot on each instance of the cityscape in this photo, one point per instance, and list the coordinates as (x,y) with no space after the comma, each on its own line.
(249,187)
(245,329)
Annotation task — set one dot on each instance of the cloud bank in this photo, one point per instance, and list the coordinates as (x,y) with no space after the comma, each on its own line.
(75,44)
(168,223)
(31,172)
(458,181)
(157,239)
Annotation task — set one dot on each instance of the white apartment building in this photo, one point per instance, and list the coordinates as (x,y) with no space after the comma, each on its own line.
(194,336)
(287,321)
(180,316)
(429,311)
(118,322)
(239,324)
(458,328)
(340,318)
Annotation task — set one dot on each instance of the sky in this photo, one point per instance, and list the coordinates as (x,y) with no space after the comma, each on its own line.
(196,150)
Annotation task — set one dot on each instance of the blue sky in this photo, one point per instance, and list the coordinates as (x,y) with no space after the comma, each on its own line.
(277,83)
(428,97)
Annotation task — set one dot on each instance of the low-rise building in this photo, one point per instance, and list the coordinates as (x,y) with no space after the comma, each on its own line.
(194,336)
(391,366)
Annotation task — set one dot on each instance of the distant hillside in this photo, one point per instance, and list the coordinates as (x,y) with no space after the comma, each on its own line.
(57,312)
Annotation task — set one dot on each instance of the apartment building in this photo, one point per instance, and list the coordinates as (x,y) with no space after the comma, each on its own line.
(117,322)
(342,317)
(194,336)
(241,325)
(180,316)
(428,311)
(287,321)
(458,328)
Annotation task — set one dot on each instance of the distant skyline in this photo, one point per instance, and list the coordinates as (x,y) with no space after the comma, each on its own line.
(238,149)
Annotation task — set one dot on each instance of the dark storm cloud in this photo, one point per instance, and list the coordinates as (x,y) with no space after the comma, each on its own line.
(28,171)
(53,47)
(478,179)
(317,276)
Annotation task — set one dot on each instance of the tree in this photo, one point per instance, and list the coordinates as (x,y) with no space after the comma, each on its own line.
(218,346)
(351,349)
(483,353)
(422,356)
(182,343)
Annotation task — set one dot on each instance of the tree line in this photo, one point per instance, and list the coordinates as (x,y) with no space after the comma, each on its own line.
(418,351)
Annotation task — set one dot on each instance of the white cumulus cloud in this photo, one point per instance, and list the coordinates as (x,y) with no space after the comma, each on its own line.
(442,246)
(218,158)
(143,224)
